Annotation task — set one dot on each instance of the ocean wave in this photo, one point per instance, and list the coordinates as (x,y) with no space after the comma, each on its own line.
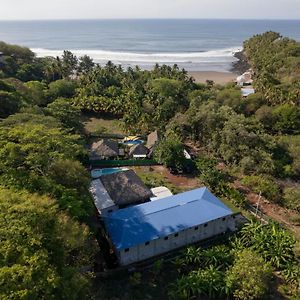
(222,55)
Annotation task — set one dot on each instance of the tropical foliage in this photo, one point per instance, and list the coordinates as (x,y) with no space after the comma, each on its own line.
(42,249)
(243,269)
(45,245)
(249,277)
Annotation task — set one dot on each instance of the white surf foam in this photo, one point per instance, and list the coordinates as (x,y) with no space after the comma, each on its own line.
(222,55)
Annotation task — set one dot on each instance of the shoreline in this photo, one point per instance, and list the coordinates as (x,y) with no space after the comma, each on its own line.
(217,77)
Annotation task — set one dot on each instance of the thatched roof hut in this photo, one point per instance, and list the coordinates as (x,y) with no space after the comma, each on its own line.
(152,139)
(126,188)
(104,149)
(138,151)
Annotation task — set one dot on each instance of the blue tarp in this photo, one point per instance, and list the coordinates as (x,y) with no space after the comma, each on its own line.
(148,221)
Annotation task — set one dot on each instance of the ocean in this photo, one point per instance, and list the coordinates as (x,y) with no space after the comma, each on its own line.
(196,45)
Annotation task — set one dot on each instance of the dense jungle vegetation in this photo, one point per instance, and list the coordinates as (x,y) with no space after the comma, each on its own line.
(48,246)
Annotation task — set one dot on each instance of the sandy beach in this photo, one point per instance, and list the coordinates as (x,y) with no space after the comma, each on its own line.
(217,77)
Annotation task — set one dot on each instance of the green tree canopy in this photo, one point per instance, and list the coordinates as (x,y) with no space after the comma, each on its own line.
(250,277)
(243,142)
(42,249)
(10,103)
(31,151)
(36,93)
(69,115)
(170,152)
(62,88)
(287,119)
(85,64)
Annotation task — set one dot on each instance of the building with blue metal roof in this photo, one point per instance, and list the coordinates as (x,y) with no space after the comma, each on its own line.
(152,228)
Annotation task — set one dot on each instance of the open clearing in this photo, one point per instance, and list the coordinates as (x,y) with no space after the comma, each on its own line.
(94,124)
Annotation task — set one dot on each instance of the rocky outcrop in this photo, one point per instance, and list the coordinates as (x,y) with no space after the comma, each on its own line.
(242,65)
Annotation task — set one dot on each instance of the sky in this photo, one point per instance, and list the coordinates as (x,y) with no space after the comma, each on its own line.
(115,9)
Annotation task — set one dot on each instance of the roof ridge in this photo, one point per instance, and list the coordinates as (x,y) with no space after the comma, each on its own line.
(213,202)
(170,207)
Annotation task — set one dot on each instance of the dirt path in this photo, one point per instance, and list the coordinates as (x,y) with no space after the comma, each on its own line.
(272,210)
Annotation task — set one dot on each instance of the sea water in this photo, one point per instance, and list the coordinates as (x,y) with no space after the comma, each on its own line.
(198,45)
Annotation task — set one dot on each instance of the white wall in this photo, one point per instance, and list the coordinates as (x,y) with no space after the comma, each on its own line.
(185,237)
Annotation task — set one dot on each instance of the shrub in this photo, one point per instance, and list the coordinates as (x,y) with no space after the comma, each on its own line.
(208,282)
(233,195)
(62,88)
(266,185)
(250,276)
(265,116)
(209,174)
(169,152)
(292,145)
(218,256)
(10,103)
(291,198)
(287,118)
(271,241)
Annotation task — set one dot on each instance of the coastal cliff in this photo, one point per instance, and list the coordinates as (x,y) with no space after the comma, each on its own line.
(242,65)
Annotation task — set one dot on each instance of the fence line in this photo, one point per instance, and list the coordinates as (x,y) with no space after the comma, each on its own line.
(123,163)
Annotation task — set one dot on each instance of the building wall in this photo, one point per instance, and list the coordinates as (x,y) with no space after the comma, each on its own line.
(176,240)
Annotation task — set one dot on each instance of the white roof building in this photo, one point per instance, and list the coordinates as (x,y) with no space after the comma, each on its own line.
(160,193)
(247,91)
(143,231)
(244,79)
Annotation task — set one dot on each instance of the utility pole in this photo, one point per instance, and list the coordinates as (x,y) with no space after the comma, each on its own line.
(257,205)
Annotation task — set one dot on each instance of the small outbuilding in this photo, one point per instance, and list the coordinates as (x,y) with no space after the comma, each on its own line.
(152,140)
(247,91)
(244,79)
(104,149)
(160,192)
(138,151)
(147,230)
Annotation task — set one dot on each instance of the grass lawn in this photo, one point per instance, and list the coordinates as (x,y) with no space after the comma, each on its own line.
(95,125)
(152,179)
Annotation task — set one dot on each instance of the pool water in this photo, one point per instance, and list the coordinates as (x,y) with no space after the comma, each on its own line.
(135,142)
(96,173)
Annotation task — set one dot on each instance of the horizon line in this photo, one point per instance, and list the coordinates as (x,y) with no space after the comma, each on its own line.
(129,19)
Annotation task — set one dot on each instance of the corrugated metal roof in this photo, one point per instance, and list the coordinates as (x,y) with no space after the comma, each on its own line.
(145,222)
(101,197)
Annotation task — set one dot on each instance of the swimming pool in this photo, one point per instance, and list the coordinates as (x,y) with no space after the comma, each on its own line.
(96,173)
(135,142)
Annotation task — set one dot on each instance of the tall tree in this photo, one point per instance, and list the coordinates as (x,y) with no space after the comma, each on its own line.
(42,249)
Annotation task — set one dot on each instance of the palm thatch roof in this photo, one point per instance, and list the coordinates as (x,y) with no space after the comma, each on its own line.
(139,149)
(152,139)
(126,188)
(104,149)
